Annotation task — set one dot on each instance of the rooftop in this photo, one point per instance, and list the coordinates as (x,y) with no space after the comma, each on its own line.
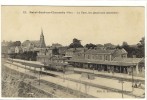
(129,60)
(117,63)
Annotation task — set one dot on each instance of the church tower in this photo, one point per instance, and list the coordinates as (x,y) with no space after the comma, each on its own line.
(42,42)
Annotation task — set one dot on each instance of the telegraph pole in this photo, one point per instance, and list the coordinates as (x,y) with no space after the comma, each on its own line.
(122,82)
(132,80)
(39,76)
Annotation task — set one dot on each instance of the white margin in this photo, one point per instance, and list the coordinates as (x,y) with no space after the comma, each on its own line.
(79,3)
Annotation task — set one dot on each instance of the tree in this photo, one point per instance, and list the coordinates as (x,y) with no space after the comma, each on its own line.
(118,47)
(124,44)
(90,45)
(17,43)
(34,56)
(75,44)
(109,46)
(137,50)
(56,51)
(99,46)
(141,43)
(141,47)
(130,49)
(10,44)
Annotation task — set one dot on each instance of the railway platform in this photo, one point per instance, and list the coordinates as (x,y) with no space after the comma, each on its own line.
(75,81)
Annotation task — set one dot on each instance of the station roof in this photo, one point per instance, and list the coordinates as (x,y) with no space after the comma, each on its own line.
(131,60)
(117,63)
(28,63)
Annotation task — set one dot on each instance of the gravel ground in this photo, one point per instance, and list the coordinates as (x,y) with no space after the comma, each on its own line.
(16,84)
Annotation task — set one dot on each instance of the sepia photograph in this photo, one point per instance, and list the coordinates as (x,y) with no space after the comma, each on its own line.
(72,51)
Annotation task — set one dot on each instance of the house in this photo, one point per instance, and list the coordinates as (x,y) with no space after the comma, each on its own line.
(107,60)
(18,49)
(34,45)
(44,55)
(4,51)
(30,45)
(62,50)
(71,51)
(122,53)
(11,50)
(56,45)
(100,54)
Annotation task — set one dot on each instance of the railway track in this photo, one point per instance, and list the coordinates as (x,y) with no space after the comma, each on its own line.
(111,77)
(82,82)
(26,79)
(74,92)
(56,88)
(99,75)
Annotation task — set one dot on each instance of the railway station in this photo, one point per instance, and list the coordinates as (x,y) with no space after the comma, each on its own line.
(104,66)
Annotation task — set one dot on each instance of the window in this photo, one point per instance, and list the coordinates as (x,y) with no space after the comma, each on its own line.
(88,56)
(97,57)
(93,56)
(123,56)
(100,57)
(106,57)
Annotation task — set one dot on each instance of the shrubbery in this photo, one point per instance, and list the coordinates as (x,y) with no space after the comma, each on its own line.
(27,55)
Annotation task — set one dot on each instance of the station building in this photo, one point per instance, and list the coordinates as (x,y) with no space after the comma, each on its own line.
(115,61)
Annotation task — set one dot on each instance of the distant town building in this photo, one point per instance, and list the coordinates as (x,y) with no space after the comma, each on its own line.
(11,50)
(4,51)
(4,43)
(62,50)
(44,54)
(72,51)
(100,54)
(56,45)
(34,45)
(18,49)
(30,45)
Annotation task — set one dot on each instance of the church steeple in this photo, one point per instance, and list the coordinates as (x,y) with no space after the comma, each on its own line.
(41,33)
(42,42)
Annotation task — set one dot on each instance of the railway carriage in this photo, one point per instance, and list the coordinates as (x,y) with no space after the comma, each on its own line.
(62,67)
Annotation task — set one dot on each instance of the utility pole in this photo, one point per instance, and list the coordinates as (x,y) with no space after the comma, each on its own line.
(63,74)
(122,82)
(80,88)
(132,79)
(39,76)
(25,65)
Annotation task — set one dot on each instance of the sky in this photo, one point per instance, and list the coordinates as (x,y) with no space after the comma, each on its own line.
(97,25)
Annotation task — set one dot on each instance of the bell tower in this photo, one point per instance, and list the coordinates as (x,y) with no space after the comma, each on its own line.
(42,42)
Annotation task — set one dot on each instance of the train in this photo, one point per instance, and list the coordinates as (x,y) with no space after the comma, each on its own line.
(54,66)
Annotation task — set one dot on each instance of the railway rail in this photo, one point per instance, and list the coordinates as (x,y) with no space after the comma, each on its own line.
(26,81)
(94,85)
(79,72)
(56,87)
